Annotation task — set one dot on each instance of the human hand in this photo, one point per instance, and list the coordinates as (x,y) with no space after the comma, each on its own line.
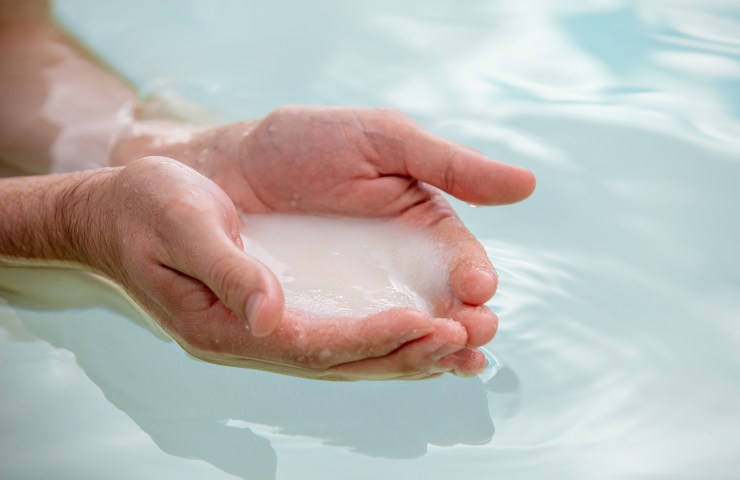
(374,163)
(170,237)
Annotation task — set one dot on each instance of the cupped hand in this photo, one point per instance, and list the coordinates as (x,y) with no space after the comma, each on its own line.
(170,237)
(375,163)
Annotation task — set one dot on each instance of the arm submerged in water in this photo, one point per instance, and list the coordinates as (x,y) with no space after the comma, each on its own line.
(169,234)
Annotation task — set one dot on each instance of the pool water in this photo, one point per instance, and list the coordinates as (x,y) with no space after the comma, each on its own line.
(619,297)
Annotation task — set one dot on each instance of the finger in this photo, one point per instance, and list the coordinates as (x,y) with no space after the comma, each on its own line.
(413,359)
(472,277)
(401,147)
(240,281)
(308,345)
(479,321)
(464,363)
(320,343)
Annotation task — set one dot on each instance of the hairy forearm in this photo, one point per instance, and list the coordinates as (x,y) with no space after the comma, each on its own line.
(52,218)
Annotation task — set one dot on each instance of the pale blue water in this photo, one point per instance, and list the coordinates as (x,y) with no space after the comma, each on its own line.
(620,284)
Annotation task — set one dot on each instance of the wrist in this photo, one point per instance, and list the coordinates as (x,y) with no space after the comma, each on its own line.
(150,137)
(82,227)
(157,128)
(211,151)
(222,164)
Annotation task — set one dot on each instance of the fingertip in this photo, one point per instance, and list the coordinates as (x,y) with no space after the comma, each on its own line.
(257,323)
(474,286)
(480,323)
(263,322)
(506,184)
(404,324)
(451,332)
(264,309)
(527,183)
(467,362)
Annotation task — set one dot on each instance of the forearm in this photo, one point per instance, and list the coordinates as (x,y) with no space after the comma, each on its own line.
(49,217)
(60,109)
(209,150)
(63,111)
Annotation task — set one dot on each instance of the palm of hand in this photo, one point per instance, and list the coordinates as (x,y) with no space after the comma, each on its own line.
(368,163)
(187,266)
(174,245)
(318,161)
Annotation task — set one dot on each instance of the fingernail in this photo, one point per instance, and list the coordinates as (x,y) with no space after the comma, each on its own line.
(254,304)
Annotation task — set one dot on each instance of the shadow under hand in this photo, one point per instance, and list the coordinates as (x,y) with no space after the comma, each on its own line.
(190,408)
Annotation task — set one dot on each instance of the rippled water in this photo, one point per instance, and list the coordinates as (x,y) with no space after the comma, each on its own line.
(619,297)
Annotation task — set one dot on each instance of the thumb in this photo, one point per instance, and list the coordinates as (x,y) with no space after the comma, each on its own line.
(241,282)
(404,148)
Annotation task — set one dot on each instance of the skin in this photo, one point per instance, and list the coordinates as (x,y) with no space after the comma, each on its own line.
(168,232)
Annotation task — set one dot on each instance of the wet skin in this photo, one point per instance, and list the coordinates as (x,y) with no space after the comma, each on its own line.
(167,228)
(326,161)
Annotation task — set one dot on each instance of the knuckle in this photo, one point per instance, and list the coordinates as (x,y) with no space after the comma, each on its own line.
(450,171)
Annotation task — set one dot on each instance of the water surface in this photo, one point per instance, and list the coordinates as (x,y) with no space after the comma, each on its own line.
(620,287)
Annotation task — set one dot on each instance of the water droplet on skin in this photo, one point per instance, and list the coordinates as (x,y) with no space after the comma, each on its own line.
(472,205)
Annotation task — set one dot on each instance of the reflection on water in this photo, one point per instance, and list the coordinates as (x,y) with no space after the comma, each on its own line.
(190,408)
(618,295)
